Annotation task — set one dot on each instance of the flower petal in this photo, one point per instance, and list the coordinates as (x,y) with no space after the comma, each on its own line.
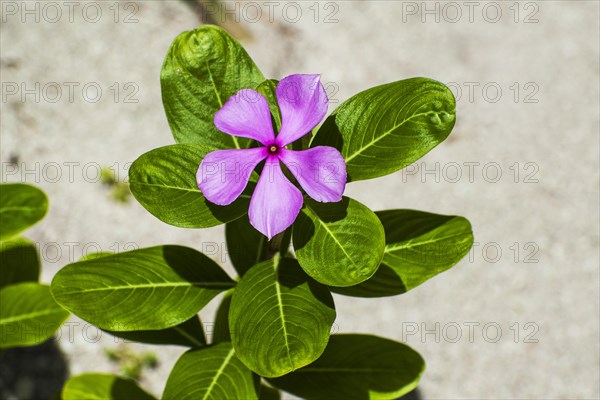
(223,174)
(321,171)
(303,104)
(276,202)
(246,114)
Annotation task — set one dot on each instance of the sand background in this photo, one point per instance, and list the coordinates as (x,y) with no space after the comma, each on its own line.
(544,124)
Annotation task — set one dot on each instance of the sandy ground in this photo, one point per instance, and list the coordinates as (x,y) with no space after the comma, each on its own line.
(526,300)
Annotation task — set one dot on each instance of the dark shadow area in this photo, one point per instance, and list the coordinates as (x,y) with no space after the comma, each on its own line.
(221,332)
(32,373)
(126,389)
(326,212)
(245,245)
(414,224)
(414,395)
(304,229)
(329,135)
(385,282)
(20,262)
(386,367)
(330,212)
(189,333)
(238,208)
(196,267)
(290,274)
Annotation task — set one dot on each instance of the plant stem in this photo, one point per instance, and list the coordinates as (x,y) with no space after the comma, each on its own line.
(274,245)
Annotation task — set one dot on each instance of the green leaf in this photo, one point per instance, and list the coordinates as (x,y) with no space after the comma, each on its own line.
(419,245)
(245,245)
(385,282)
(202,70)
(221,327)
(19,262)
(279,318)
(189,333)
(28,314)
(386,128)
(91,256)
(211,373)
(357,367)
(21,206)
(284,244)
(268,89)
(102,387)
(146,289)
(164,182)
(338,244)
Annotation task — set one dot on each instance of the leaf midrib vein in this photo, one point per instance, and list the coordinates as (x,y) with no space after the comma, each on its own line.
(212,81)
(174,187)
(153,286)
(20,208)
(30,315)
(281,313)
(218,374)
(388,132)
(389,249)
(165,186)
(334,238)
(188,336)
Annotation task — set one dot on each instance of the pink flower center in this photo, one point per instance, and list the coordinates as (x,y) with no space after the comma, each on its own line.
(273,149)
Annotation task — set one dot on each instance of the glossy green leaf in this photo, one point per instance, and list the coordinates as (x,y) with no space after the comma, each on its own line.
(279,318)
(19,262)
(388,127)
(211,373)
(220,331)
(91,256)
(146,289)
(102,387)
(28,314)
(246,246)
(357,367)
(338,244)
(21,206)
(202,70)
(164,182)
(189,333)
(419,245)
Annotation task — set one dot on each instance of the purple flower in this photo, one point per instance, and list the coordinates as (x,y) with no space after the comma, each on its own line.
(276,202)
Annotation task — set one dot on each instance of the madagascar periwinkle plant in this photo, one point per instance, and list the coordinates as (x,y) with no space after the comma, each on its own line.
(250,155)
(28,313)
